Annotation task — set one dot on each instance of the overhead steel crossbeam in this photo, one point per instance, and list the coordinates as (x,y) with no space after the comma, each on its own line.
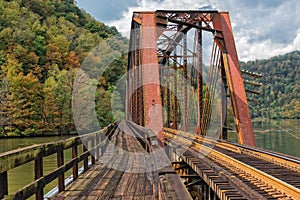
(173,42)
(157,46)
(190,18)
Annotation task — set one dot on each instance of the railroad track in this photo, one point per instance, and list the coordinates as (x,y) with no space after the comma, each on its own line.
(264,174)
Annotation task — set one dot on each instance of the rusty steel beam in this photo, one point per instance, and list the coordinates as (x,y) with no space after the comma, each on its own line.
(190,25)
(199,80)
(146,103)
(242,118)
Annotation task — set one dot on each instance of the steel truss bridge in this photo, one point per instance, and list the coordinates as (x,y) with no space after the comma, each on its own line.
(184,86)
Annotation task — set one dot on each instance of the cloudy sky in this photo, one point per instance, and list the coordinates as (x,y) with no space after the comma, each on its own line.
(262,28)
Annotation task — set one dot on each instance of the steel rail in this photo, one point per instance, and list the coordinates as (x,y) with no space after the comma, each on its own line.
(280,185)
(275,158)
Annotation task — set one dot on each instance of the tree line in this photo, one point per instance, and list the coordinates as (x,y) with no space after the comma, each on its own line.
(42,46)
(280,91)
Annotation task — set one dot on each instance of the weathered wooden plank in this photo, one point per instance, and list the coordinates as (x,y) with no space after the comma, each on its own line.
(110,189)
(121,188)
(149,197)
(87,184)
(131,187)
(15,158)
(127,197)
(80,185)
(75,167)
(78,197)
(102,185)
(68,193)
(85,160)
(114,184)
(116,198)
(38,173)
(149,189)
(140,186)
(29,189)
(61,177)
(3,185)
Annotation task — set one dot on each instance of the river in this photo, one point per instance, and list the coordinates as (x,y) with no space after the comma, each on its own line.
(23,175)
(277,135)
(281,136)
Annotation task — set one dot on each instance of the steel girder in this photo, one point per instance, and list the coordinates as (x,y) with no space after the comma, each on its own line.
(146,28)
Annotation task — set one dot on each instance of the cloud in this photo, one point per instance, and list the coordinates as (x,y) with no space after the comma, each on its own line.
(123,24)
(264,31)
(106,10)
(265,48)
(262,28)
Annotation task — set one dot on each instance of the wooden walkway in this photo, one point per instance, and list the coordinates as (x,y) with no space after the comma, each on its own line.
(131,165)
(123,172)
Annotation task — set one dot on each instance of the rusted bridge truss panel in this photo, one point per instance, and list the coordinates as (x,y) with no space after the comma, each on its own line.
(167,84)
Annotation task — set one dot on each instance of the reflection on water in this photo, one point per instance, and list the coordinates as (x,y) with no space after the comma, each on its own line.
(277,135)
(281,136)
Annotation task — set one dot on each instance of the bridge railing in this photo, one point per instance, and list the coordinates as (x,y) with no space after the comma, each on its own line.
(96,142)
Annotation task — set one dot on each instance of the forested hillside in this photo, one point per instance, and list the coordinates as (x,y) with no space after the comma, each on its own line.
(42,45)
(280,93)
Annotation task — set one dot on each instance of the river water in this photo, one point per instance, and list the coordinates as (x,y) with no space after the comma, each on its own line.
(281,136)
(24,174)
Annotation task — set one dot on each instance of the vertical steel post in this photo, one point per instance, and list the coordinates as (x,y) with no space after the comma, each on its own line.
(175,96)
(185,81)
(199,79)
(223,134)
(235,81)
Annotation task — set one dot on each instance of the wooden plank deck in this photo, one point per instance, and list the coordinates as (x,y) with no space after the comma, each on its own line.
(117,175)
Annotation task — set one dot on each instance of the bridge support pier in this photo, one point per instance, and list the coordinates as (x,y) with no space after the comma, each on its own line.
(150,81)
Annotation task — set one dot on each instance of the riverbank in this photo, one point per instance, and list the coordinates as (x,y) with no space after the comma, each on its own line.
(8,144)
(40,135)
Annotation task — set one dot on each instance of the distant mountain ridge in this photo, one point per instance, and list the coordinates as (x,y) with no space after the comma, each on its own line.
(280,93)
(42,46)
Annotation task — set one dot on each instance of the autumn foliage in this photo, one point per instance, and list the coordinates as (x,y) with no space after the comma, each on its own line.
(42,46)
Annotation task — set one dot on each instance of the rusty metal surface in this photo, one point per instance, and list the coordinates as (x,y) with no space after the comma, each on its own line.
(235,81)
(269,174)
(152,46)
